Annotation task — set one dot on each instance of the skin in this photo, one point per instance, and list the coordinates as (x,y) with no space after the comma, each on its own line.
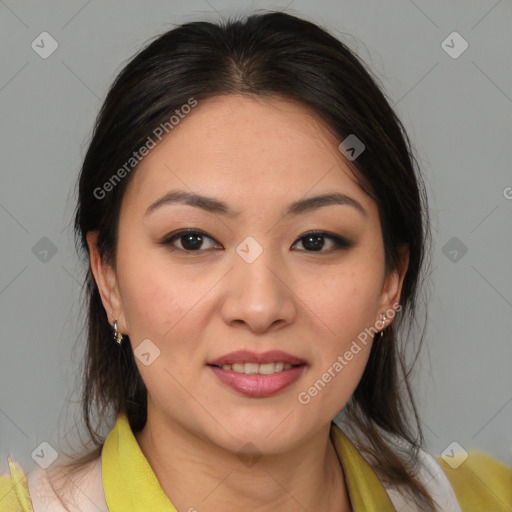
(257,155)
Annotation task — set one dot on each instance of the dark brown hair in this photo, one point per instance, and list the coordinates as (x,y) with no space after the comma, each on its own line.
(270,54)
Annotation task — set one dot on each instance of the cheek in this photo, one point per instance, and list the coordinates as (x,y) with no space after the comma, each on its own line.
(343,309)
(162,313)
(330,387)
(166,304)
(342,302)
(165,307)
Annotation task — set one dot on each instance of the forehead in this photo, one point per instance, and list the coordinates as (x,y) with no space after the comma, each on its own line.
(246,147)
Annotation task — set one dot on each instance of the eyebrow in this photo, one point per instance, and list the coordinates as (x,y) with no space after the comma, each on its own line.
(213,205)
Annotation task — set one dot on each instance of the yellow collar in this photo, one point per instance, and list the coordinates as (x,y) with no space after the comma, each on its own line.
(131,485)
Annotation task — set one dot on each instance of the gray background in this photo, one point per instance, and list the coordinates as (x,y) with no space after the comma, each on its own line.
(457,112)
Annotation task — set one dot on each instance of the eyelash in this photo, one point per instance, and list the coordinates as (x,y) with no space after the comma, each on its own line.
(340,242)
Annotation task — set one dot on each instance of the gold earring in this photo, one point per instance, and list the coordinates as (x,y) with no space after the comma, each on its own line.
(383,324)
(118,337)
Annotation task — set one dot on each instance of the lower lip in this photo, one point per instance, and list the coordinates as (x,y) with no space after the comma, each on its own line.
(255,385)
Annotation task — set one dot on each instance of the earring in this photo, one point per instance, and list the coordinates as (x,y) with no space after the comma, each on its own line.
(383,324)
(118,337)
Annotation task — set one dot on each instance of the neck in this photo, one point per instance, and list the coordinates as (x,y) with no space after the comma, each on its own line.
(196,474)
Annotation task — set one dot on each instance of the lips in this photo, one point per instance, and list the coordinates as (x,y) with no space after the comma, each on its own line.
(259,386)
(246,356)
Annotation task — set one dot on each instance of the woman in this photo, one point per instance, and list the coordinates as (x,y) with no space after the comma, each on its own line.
(255,227)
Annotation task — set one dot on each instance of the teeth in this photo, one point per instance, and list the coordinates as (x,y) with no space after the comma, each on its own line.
(266,369)
(255,368)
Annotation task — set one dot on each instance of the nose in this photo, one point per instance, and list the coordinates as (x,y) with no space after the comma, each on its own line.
(258,295)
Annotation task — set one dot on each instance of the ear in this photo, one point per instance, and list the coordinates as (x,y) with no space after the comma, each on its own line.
(392,287)
(106,280)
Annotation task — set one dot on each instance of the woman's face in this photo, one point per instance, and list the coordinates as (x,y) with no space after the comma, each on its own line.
(251,279)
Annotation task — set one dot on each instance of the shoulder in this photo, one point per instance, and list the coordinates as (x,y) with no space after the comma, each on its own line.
(14,493)
(58,491)
(42,490)
(480,482)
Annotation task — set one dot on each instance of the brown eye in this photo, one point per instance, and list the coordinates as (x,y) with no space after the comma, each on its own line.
(190,240)
(314,241)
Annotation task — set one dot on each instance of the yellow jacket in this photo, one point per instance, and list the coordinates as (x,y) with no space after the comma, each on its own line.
(121,480)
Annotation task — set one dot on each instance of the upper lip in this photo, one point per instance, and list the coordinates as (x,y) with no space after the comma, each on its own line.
(246,356)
